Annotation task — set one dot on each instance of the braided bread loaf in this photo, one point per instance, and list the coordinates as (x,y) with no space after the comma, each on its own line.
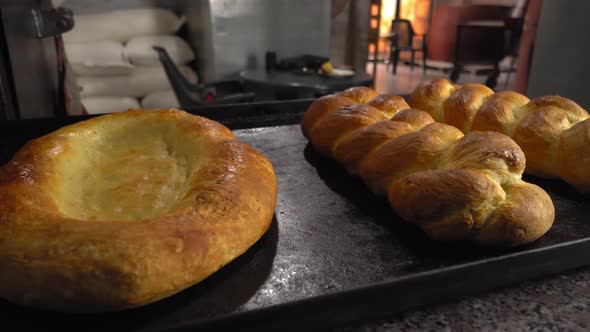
(553,132)
(454,186)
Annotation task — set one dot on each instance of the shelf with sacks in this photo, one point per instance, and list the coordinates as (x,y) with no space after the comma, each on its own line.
(116,68)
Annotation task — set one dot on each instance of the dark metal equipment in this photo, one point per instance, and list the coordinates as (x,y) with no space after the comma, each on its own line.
(200,94)
(52,23)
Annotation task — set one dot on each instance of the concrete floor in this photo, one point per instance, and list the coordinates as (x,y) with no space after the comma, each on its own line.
(405,80)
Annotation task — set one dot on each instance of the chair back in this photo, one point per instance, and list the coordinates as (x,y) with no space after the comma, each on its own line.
(404,33)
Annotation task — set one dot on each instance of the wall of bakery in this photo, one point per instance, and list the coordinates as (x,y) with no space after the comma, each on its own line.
(117,69)
(231,35)
(349,33)
(560,59)
(244,30)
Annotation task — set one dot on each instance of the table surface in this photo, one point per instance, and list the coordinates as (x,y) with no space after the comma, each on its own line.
(484,24)
(310,81)
(557,303)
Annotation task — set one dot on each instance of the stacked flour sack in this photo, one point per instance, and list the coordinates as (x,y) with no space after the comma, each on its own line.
(116,66)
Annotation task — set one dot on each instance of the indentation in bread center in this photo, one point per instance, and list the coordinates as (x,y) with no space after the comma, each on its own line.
(126,175)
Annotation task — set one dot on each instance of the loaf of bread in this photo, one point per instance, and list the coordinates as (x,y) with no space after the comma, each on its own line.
(126,209)
(553,132)
(453,186)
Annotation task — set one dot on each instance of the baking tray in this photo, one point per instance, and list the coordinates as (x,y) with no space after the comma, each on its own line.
(335,254)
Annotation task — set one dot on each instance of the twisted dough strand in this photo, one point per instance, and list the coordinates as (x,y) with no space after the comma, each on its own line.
(553,132)
(454,186)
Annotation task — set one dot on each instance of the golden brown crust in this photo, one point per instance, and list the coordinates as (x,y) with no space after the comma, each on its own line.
(460,108)
(524,217)
(389,105)
(359,94)
(410,153)
(321,107)
(491,153)
(430,96)
(574,111)
(110,264)
(353,148)
(417,119)
(454,187)
(574,159)
(538,134)
(335,125)
(538,126)
(451,204)
(497,112)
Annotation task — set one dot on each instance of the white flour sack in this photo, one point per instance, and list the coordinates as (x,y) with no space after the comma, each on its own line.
(101,105)
(122,25)
(139,51)
(97,58)
(141,82)
(160,99)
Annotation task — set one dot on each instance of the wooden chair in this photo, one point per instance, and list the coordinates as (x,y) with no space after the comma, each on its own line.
(402,39)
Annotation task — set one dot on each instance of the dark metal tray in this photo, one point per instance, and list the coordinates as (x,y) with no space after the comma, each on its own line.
(335,254)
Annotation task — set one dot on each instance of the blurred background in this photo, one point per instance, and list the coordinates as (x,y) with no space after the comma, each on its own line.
(88,57)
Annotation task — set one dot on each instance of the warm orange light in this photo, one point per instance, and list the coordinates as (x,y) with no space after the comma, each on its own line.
(416,11)
(422,8)
(374,10)
(371,48)
(408,9)
(382,45)
(387,14)
(374,23)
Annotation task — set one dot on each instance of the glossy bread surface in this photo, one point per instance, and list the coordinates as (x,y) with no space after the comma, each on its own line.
(454,186)
(553,131)
(126,209)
